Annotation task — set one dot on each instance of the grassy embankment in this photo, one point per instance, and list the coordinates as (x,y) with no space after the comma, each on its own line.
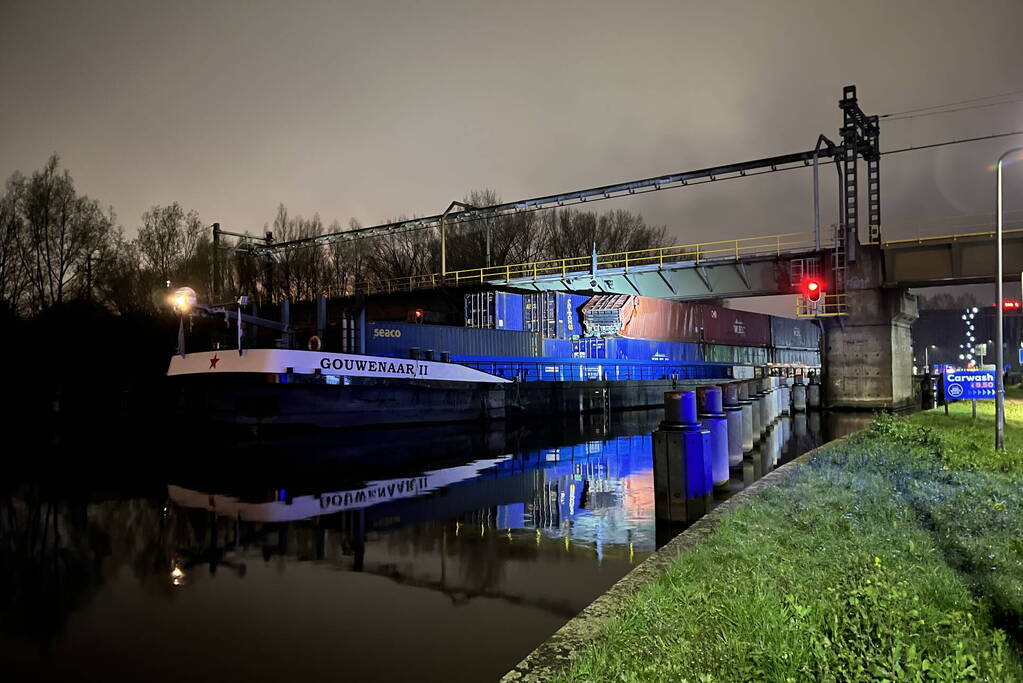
(896,554)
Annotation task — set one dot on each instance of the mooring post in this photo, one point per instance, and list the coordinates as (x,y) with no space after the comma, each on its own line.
(813,392)
(799,397)
(712,418)
(746,405)
(682,485)
(733,416)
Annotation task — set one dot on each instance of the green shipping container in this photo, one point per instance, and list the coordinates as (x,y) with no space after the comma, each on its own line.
(740,355)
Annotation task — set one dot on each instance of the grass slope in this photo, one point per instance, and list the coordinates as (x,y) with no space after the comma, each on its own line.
(896,554)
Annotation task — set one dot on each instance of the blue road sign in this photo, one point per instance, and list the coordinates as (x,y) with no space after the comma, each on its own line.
(965,384)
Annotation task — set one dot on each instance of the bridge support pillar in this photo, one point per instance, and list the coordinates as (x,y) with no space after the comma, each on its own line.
(869,353)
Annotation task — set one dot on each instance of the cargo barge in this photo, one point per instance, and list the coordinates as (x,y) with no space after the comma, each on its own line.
(517,356)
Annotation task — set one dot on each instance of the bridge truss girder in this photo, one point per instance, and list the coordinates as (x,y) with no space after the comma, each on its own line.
(955,260)
(681,282)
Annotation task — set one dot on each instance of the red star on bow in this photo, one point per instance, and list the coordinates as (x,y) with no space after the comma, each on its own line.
(213,362)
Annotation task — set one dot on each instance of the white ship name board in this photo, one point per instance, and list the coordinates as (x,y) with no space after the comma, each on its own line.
(274,361)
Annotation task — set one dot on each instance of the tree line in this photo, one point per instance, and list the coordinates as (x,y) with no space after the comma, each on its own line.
(57,245)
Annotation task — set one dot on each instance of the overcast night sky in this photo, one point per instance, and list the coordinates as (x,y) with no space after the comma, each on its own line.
(372,110)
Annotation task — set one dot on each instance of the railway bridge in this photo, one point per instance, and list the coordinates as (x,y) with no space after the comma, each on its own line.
(866,311)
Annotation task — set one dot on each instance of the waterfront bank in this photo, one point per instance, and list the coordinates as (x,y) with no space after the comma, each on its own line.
(894,553)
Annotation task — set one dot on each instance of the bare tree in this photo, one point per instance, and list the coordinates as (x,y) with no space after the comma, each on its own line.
(120,282)
(575,233)
(401,255)
(347,262)
(168,238)
(13,280)
(298,272)
(60,231)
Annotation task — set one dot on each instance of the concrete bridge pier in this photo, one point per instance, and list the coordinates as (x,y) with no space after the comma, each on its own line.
(869,352)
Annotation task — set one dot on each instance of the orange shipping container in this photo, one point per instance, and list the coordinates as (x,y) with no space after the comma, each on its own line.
(662,320)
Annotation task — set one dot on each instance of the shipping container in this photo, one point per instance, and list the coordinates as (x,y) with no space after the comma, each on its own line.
(744,355)
(589,347)
(730,326)
(555,315)
(396,339)
(624,348)
(557,348)
(790,333)
(494,310)
(642,317)
(607,313)
(796,357)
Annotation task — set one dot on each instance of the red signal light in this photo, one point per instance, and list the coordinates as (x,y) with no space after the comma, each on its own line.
(812,290)
(418,315)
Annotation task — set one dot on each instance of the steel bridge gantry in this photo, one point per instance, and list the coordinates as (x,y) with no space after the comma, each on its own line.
(859,139)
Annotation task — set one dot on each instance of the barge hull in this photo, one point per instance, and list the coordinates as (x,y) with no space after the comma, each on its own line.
(262,400)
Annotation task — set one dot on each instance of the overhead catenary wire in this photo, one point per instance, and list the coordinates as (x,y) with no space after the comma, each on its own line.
(951,104)
(917,148)
(714,179)
(756,167)
(952,111)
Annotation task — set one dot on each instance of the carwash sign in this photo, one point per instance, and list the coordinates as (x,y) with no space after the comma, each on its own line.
(964,384)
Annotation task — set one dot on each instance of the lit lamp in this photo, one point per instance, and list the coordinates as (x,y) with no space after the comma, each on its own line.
(183,299)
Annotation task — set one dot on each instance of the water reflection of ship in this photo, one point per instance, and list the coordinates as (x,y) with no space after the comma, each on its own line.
(589,501)
(535,489)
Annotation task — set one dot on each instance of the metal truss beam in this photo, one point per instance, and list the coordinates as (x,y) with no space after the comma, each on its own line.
(756,277)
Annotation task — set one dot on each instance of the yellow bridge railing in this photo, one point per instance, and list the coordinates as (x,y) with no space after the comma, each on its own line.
(950,237)
(697,253)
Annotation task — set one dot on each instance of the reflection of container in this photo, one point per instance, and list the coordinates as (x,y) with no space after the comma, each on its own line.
(494,310)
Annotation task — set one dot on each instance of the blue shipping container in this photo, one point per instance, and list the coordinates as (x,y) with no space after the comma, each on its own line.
(494,310)
(396,339)
(622,348)
(557,348)
(555,315)
(576,369)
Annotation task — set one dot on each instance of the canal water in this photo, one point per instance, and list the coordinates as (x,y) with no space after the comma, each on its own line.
(438,553)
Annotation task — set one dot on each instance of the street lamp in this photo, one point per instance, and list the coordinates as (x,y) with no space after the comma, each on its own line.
(1000,392)
(927,362)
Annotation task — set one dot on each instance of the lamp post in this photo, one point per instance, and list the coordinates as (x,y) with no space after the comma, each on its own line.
(1000,385)
(927,362)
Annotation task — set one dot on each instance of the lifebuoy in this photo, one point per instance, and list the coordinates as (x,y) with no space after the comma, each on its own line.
(314,343)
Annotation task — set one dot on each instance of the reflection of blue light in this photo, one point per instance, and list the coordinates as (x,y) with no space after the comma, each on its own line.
(282,494)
